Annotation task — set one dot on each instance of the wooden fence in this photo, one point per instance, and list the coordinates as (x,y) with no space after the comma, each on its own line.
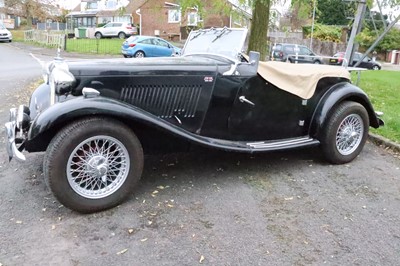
(47,38)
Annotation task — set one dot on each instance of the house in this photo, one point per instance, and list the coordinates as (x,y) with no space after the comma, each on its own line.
(167,20)
(91,13)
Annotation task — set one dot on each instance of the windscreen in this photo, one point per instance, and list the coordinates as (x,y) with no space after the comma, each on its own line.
(223,41)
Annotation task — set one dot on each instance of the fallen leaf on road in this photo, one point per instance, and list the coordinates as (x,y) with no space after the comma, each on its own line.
(130,231)
(122,251)
(144,240)
(201,259)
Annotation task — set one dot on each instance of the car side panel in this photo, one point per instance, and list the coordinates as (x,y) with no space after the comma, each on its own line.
(272,114)
(338,93)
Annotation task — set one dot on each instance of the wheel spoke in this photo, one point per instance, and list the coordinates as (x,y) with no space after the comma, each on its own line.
(349,134)
(98,167)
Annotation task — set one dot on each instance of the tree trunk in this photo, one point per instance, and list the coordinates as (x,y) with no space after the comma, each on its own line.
(259,28)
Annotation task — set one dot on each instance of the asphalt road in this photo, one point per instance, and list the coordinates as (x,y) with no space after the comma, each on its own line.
(205,207)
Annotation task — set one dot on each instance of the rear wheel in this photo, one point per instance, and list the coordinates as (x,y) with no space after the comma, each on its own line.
(345,133)
(93,164)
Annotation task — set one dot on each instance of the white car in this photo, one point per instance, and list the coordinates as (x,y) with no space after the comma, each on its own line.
(5,35)
(115,29)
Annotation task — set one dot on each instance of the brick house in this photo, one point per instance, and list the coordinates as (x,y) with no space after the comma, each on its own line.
(165,19)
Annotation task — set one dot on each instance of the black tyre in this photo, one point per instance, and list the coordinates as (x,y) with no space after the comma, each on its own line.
(376,67)
(93,164)
(317,62)
(121,35)
(98,35)
(345,133)
(139,54)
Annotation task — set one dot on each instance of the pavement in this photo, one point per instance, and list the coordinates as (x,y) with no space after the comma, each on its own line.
(379,140)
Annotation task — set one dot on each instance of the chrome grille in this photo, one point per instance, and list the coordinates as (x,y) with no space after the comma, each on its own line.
(164,101)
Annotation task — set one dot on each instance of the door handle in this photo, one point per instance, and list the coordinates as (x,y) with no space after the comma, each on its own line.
(244,100)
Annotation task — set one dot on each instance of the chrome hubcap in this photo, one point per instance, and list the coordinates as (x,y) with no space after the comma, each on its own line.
(349,134)
(98,167)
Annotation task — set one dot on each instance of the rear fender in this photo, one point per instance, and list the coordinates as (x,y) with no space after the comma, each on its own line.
(48,123)
(336,94)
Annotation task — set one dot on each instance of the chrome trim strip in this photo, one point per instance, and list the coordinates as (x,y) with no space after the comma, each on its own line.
(284,143)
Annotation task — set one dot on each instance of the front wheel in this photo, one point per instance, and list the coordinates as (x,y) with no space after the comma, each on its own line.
(345,133)
(375,67)
(93,164)
(139,54)
(98,35)
(121,35)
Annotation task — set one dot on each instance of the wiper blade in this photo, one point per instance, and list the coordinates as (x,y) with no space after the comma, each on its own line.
(223,31)
(202,31)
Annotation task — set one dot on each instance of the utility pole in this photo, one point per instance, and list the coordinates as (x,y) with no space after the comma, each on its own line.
(357,25)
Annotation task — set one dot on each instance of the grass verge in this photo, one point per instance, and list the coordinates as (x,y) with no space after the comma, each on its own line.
(95,46)
(383,89)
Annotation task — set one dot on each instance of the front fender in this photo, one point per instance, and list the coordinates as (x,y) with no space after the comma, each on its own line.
(336,94)
(47,124)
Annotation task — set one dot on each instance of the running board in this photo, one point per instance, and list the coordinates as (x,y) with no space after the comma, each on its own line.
(260,146)
(282,144)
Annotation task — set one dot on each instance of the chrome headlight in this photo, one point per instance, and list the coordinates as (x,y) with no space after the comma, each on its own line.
(61,80)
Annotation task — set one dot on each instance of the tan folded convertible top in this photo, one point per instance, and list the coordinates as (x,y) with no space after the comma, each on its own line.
(298,79)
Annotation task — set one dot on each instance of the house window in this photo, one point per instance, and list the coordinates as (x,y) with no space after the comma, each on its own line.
(111,4)
(92,5)
(174,16)
(193,18)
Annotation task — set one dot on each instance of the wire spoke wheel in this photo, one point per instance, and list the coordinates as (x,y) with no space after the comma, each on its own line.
(345,132)
(349,134)
(98,167)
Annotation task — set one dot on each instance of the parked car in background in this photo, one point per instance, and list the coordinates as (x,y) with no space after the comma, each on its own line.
(367,62)
(294,53)
(5,34)
(148,46)
(121,30)
(96,119)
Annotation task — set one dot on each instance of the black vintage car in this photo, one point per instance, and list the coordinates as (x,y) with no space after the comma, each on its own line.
(96,119)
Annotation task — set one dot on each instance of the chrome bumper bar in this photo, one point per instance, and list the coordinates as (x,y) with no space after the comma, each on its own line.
(11,145)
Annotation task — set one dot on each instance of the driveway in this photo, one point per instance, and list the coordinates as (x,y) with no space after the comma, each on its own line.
(211,208)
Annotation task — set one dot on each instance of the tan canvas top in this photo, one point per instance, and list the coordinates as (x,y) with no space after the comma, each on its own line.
(298,79)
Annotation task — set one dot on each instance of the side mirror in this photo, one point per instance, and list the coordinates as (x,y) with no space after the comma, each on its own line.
(254,60)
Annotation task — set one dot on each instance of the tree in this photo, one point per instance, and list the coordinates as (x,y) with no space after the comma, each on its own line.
(374,20)
(28,9)
(259,27)
(334,12)
(259,24)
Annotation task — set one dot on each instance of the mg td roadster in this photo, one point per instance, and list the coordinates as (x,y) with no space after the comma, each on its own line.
(96,119)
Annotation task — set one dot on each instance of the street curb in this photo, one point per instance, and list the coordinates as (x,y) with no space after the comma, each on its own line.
(379,140)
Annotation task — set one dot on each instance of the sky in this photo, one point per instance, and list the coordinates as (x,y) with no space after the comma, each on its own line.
(68,4)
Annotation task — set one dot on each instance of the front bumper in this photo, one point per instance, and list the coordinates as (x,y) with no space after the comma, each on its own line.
(11,140)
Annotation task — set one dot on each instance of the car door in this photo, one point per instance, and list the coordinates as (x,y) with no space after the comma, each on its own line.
(307,56)
(162,48)
(147,46)
(263,112)
(107,30)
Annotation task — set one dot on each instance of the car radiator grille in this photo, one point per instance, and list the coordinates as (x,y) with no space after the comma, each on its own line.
(164,101)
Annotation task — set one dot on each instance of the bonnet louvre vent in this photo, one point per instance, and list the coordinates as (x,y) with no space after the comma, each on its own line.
(162,100)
